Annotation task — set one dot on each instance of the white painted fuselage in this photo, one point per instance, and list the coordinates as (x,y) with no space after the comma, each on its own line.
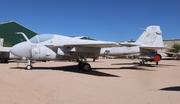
(120,50)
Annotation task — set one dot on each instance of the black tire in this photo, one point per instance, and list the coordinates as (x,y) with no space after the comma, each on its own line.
(86,67)
(142,62)
(80,65)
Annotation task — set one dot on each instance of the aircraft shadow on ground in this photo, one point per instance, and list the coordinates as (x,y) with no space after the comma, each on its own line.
(72,68)
(174,88)
(136,64)
(127,68)
(146,64)
(4,63)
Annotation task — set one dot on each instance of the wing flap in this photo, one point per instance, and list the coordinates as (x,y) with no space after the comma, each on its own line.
(153,48)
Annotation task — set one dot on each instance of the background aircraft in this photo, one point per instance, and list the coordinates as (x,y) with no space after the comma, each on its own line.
(5,53)
(57,47)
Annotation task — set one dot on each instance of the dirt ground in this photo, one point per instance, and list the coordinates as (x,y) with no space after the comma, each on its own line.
(63,83)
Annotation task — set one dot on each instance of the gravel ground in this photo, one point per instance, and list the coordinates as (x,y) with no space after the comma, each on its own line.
(63,83)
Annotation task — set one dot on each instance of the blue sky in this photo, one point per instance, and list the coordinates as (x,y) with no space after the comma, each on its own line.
(113,20)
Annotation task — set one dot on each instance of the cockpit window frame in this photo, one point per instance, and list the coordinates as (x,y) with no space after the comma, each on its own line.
(41,38)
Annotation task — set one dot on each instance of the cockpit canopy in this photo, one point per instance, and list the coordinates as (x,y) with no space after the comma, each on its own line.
(41,38)
(84,38)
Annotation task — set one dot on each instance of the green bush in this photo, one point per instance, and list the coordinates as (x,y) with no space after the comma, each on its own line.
(7,44)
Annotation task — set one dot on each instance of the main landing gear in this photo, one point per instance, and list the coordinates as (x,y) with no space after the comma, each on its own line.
(146,60)
(84,66)
(143,62)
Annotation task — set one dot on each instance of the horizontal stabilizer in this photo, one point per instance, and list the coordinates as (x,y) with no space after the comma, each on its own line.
(173,53)
(128,44)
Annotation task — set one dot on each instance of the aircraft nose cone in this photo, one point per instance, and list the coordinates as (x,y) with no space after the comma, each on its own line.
(22,50)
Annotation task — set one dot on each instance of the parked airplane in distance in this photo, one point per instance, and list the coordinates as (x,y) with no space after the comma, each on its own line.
(5,53)
(57,47)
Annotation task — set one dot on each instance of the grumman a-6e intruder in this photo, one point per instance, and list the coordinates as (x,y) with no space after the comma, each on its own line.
(57,47)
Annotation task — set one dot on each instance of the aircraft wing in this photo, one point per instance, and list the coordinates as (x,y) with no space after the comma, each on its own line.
(153,48)
(4,49)
(93,45)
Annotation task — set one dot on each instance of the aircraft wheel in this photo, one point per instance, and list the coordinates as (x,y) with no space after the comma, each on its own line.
(142,62)
(29,67)
(86,67)
(80,65)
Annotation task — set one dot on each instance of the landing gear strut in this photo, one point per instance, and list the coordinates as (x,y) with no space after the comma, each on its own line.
(29,65)
(142,62)
(157,63)
(146,60)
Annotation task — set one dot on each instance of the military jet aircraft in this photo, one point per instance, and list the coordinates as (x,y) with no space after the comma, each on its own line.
(57,47)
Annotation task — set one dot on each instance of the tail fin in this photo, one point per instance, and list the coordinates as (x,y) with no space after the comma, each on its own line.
(1,42)
(152,36)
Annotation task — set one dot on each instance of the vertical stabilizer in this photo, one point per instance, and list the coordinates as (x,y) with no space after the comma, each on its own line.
(1,42)
(152,36)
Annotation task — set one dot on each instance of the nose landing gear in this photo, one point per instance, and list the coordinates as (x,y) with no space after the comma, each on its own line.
(29,65)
